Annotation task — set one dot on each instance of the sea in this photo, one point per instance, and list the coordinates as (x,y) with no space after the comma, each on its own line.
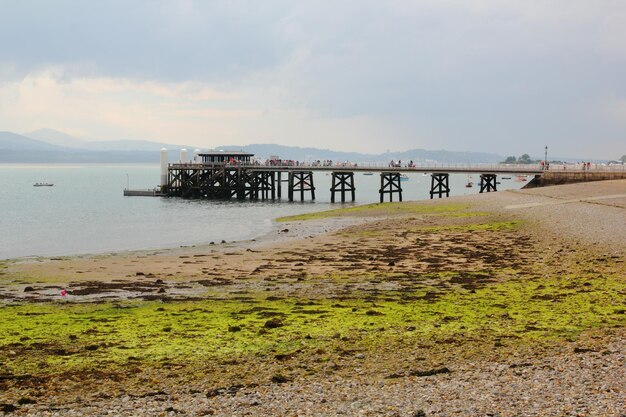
(85,211)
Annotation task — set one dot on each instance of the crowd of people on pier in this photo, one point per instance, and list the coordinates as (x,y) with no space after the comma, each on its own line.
(394,164)
(316,163)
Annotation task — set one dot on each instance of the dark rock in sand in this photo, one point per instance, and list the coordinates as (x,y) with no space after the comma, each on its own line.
(273,323)
(29,289)
(279,379)
(26,400)
(374,313)
(221,391)
(7,408)
(430,372)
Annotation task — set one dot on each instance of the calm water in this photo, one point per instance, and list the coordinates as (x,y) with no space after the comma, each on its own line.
(85,212)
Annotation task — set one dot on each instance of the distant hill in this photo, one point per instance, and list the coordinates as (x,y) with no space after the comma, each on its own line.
(57,138)
(416,155)
(132,145)
(13,141)
(49,145)
(15,148)
(300,154)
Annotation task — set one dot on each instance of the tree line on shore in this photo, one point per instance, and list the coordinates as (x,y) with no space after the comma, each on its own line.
(526,159)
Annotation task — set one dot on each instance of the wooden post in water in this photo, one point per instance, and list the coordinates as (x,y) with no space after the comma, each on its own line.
(440,185)
(301,181)
(488,183)
(390,184)
(342,182)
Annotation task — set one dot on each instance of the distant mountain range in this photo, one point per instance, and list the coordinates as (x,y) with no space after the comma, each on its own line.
(48,145)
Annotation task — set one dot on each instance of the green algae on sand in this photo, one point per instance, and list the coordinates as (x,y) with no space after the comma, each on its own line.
(50,338)
(378,209)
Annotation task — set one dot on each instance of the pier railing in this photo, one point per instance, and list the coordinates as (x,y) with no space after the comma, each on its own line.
(404,167)
(367,166)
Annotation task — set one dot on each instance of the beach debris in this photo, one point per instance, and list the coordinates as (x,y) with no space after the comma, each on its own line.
(63,293)
(28,289)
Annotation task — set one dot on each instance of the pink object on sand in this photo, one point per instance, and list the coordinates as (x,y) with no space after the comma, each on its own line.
(63,293)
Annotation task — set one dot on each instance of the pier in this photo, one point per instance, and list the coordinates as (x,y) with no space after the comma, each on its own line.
(234,175)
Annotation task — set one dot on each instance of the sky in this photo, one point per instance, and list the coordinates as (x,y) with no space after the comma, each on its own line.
(508,77)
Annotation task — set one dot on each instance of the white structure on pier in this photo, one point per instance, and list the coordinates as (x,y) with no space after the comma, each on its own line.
(163,167)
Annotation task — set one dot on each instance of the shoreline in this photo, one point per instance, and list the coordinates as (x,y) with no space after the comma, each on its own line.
(328,224)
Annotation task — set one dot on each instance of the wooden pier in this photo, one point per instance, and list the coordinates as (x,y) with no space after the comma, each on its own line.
(233,175)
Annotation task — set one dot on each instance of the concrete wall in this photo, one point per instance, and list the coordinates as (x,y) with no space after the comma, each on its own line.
(570,177)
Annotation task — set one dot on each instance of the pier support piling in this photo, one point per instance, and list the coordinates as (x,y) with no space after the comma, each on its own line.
(488,183)
(263,185)
(301,182)
(342,183)
(440,185)
(390,184)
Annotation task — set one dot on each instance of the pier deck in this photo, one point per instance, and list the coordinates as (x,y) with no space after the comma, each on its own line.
(244,180)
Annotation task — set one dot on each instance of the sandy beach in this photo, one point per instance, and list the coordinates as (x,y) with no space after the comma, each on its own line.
(503,304)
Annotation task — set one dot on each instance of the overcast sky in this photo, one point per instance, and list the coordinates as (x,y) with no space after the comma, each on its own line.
(487,75)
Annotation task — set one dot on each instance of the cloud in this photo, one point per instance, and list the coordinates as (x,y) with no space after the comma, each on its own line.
(507,76)
(113,108)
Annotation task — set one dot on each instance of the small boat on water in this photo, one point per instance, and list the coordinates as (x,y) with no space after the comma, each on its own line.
(404,177)
(469,184)
(368,173)
(506,178)
(43,184)
(521,178)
